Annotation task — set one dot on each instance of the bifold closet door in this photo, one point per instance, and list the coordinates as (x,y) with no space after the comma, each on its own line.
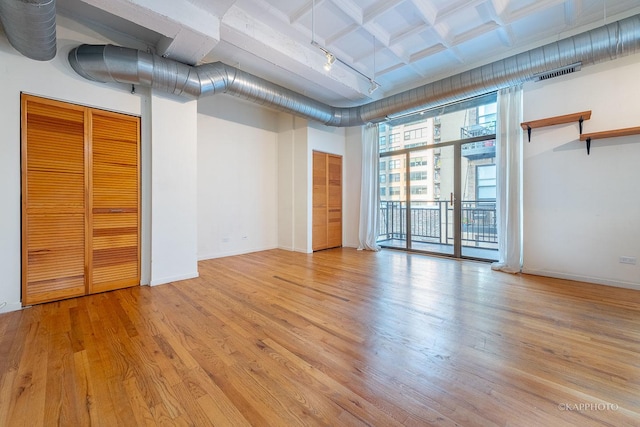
(319,221)
(327,201)
(80,200)
(53,201)
(115,252)
(334,201)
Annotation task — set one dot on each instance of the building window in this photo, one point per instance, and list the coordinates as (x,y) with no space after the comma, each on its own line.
(418,190)
(418,176)
(383,166)
(395,164)
(394,191)
(486,182)
(383,191)
(418,161)
(394,177)
(383,178)
(415,134)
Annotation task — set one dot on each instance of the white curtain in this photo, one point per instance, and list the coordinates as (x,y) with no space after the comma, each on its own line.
(369,200)
(509,185)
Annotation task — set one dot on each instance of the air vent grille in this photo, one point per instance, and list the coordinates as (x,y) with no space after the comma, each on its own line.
(558,72)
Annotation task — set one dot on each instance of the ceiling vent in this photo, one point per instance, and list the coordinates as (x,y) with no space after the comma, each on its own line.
(558,72)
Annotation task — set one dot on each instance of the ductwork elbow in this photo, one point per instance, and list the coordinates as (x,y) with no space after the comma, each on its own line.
(30,26)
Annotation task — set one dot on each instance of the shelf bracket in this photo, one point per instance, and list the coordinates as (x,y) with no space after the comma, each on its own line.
(529,132)
(580,124)
(588,140)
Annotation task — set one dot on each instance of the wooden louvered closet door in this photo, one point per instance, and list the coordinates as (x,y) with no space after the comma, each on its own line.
(327,201)
(114,206)
(53,201)
(319,216)
(80,200)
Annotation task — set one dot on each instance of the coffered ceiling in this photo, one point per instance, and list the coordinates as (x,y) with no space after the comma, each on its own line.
(400,44)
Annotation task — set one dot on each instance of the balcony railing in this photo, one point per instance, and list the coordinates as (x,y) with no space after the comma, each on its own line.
(472,131)
(432,222)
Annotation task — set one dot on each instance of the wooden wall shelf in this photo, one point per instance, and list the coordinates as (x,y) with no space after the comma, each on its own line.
(588,137)
(556,120)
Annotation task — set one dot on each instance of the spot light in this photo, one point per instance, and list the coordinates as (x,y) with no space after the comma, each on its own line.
(330,60)
(374,86)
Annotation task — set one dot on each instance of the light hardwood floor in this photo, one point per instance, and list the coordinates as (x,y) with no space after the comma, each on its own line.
(339,337)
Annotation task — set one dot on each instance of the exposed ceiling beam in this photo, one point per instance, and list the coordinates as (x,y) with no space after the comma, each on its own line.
(190,31)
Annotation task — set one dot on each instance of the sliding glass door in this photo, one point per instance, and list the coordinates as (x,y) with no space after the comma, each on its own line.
(393,201)
(416,207)
(438,182)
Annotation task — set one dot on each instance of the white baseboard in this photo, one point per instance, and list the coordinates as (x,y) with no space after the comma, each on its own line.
(214,255)
(165,280)
(10,306)
(578,278)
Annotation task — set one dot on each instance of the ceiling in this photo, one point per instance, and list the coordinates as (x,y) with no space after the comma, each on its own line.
(401,44)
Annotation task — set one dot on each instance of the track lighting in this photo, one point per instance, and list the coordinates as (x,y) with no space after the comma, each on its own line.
(330,60)
(374,86)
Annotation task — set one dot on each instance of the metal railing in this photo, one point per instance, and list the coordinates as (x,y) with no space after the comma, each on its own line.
(482,129)
(432,222)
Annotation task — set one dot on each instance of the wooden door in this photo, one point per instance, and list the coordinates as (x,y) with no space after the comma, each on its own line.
(80,200)
(327,201)
(53,201)
(115,254)
(334,201)
(319,221)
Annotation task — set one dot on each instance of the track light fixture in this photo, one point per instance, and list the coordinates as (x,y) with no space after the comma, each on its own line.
(330,60)
(374,86)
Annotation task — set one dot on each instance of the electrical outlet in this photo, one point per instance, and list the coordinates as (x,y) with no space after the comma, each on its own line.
(628,260)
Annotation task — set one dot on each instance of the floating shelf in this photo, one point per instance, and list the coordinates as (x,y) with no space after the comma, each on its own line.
(557,120)
(588,137)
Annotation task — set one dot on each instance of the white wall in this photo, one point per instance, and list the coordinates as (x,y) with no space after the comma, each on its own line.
(238,172)
(301,179)
(582,212)
(353,176)
(286,182)
(174,229)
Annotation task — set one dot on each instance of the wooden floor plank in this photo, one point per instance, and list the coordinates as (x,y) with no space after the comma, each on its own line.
(338,337)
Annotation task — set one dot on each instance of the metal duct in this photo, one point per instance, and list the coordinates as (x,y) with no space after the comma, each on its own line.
(106,63)
(30,26)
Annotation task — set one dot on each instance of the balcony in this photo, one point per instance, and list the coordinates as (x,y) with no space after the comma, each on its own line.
(479,150)
(482,149)
(432,227)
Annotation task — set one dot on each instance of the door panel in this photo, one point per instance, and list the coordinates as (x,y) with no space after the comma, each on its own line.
(115,202)
(431,185)
(320,218)
(393,202)
(334,201)
(478,200)
(53,212)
